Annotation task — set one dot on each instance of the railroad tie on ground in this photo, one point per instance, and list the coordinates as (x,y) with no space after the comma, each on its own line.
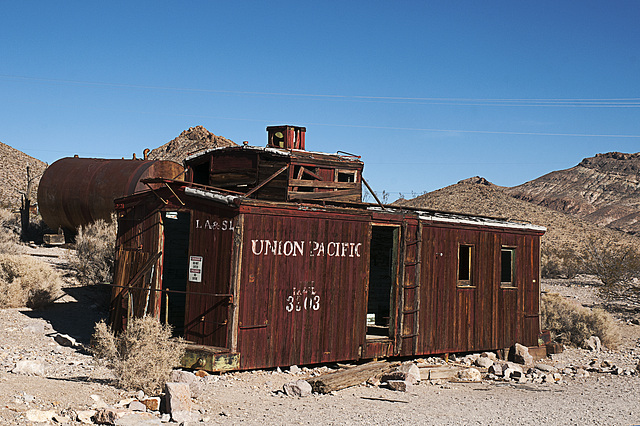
(338,380)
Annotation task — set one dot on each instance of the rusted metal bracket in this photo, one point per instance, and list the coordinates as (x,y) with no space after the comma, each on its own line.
(266,181)
(174,193)
(248,327)
(155,193)
(160,290)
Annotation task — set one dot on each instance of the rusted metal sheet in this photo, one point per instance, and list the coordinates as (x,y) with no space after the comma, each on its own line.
(199,357)
(77,191)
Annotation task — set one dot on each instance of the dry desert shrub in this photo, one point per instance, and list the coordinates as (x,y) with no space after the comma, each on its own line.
(9,235)
(142,356)
(25,281)
(95,252)
(560,262)
(617,265)
(572,323)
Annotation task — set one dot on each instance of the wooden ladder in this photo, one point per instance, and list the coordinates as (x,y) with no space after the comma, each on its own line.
(410,291)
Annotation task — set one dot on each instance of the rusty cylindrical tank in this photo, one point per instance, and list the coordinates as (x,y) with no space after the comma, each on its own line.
(77,191)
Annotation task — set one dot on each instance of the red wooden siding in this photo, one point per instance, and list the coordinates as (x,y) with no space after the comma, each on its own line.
(307,306)
(207,309)
(484,316)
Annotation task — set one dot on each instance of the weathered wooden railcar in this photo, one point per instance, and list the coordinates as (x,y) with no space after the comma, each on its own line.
(279,280)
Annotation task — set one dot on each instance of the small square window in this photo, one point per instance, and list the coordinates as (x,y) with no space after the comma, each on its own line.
(465,265)
(507,267)
(346,175)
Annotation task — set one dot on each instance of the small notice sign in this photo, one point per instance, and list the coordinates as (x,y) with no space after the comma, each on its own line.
(195,269)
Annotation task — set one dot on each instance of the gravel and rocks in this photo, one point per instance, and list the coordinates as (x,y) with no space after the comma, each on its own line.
(63,384)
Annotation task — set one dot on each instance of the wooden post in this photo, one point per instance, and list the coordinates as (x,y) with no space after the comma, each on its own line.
(25,207)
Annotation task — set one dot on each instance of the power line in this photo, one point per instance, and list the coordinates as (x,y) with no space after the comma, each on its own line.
(505,102)
(477,131)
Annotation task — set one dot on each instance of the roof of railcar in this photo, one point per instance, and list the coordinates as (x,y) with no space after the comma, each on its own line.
(426,215)
(234,200)
(294,154)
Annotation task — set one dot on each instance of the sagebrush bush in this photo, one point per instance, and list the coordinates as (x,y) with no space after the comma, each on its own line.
(9,233)
(572,323)
(142,356)
(25,281)
(95,252)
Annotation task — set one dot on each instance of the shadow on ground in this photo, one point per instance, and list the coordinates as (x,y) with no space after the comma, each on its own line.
(76,315)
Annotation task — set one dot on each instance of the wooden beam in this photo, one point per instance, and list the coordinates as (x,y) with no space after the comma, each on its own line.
(322,184)
(372,193)
(266,181)
(351,377)
(323,195)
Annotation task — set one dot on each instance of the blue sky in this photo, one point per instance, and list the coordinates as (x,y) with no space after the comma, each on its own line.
(427,92)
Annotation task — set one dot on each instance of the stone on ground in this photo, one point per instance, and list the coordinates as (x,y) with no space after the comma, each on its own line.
(299,388)
(593,343)
(194,382)
(32,368)
(484,362)
(408,372)
(521,354)
(397,385)
(470,374)
(40,416)
(178,399)
(65,340)
(152,403)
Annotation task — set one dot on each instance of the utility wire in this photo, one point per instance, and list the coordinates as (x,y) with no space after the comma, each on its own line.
(522,102)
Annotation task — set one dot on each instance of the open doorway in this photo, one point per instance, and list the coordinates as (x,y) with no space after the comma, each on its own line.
(175,269)
(382,275)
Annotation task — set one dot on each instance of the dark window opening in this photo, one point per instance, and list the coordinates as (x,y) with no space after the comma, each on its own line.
(346,176)
(201,173)
(175,269)
(381,278)
(465,273)
(507,267)
(300,173)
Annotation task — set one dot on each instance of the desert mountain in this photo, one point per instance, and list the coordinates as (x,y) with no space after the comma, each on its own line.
(13,175)
(480,197)
(604,189)
(189,142)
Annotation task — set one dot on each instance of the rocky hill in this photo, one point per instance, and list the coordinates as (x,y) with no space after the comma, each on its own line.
(13,175)
(189,142)
(478,196)
(604,189)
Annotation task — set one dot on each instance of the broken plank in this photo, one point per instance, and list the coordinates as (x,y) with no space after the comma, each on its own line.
(351,377)
(439,372)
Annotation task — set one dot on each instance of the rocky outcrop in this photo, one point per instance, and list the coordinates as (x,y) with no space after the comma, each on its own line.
(477,196)
(604,189)
(13,175)
(189,142)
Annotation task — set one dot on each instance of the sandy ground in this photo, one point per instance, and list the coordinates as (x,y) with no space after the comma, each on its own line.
(72,382)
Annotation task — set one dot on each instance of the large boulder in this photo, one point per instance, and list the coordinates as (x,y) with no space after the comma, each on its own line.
(521,354)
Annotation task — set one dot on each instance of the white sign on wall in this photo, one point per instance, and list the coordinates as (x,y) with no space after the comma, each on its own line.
(195,269)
